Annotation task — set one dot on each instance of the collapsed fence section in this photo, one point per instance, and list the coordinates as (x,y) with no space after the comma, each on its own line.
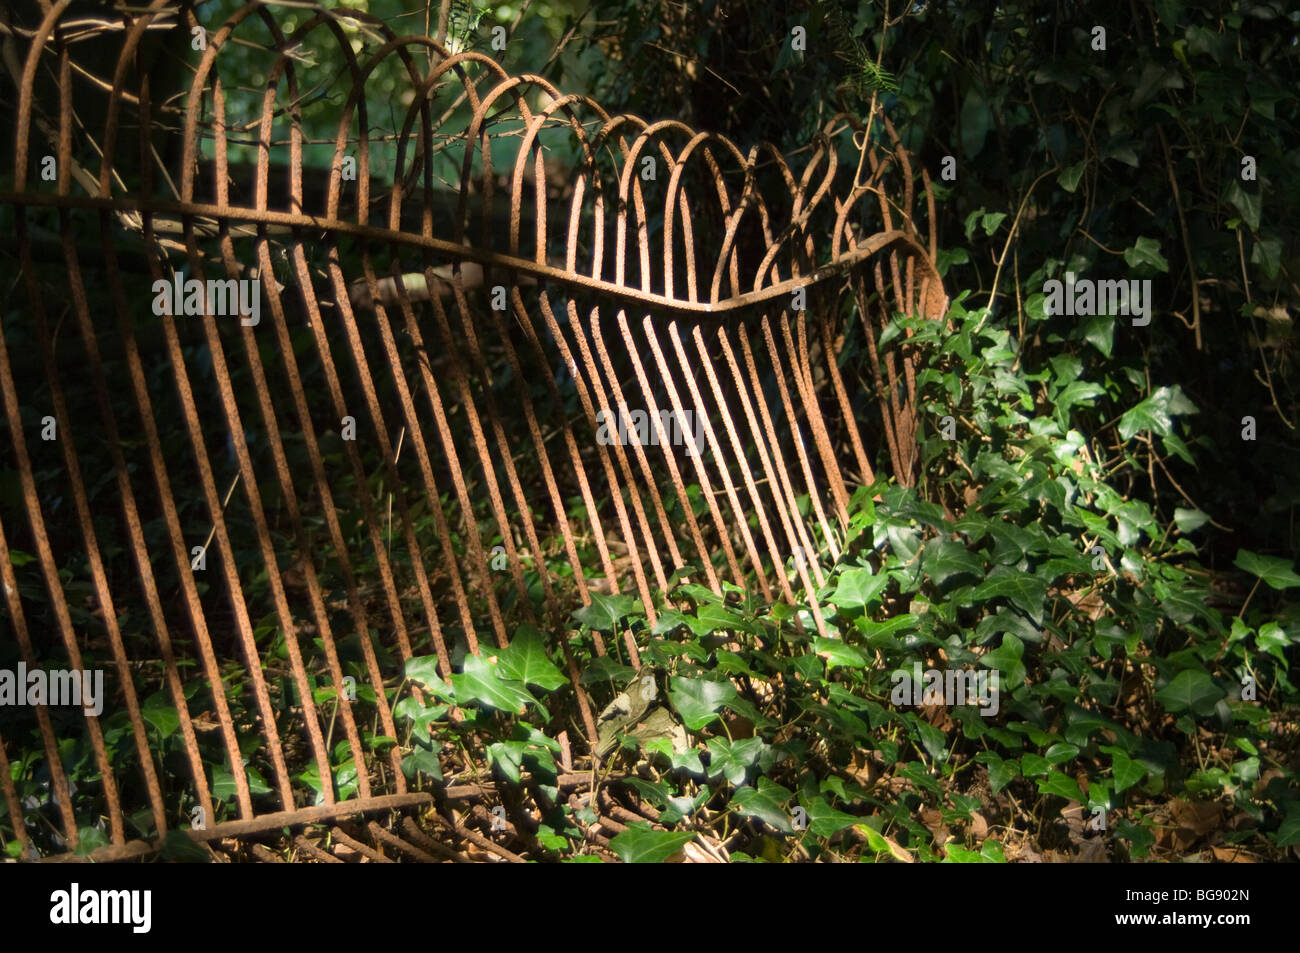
(275,430)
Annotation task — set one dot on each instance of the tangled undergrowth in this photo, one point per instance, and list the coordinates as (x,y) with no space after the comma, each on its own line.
(1125,702)
(1142,706)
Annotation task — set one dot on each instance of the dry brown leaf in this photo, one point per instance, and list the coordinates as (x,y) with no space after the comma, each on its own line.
(1199,817)
(1176,840)
(899,852)
(1233,855)
(1029,855)
(1093,850)
(1086,601)
(932,818)
(1074,819)
(862,769)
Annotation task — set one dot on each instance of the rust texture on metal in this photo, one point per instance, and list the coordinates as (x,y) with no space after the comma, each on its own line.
(403,413)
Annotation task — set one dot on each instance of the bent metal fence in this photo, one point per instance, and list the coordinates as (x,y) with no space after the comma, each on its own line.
(285,413)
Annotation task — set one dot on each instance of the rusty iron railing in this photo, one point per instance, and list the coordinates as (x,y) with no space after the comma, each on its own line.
(403,438)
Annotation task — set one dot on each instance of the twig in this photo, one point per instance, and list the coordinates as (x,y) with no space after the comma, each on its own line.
(1187,242)
(1259,343)
(1015,224)
(1156,457)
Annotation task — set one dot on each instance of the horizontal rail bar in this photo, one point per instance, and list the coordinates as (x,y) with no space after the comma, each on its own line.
(843,264)
(256,825)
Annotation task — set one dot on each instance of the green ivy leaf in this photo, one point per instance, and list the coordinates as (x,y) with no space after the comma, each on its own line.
(1247,203)
(1032,765)
(1272,638)
(697,593)
(422,761)
(1069,177)
(679,808)
(836,652)
(1189,521)
(1267,254)
(605,612)
(733,759)
(1001,771)
(656,792)
(954,854)
(933,740)
(991,851)
(826,821)
(1099,331)
(698,700)
(877,842)
(1191,689)
(942,559)
(1150,414)
(223,782)
(714,617)
(1061,752)
(549,838)
(424,669)
(1155,77)
(1077,393)
(420,716)
(689,761)
(525,660)
(480,684)
(1025,592)
(509,757)
(345,779)
(670,620)
(1288,831)
(1010,543)
(765,803)
(641,845)
(1126,771)
(991,221)
(856,588)
(884,634)
(1145,253)
(161,715)
(1062,786)
(604,668)
(1274,571)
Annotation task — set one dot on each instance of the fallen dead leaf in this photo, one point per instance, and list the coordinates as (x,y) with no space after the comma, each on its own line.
(1093,850)
(932,818)
(1187,823)
(1029,855)
(1199,817)
(1233,855)
(1086,601)
(899,852)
